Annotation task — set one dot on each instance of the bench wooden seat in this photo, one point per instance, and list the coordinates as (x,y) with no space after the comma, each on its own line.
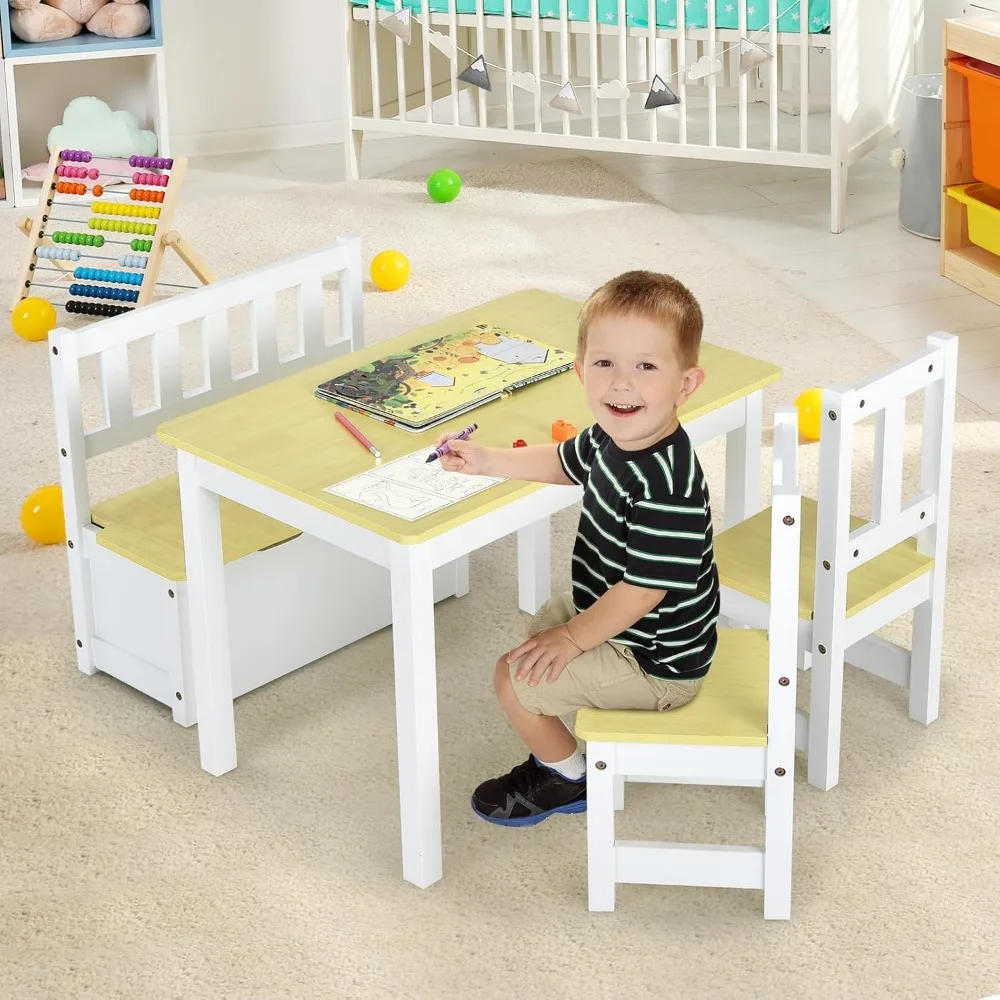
(144,526)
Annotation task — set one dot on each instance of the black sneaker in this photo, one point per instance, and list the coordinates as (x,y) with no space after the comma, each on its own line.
(528,794)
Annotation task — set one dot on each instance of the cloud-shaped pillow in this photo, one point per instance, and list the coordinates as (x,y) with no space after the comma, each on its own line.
(614,89)
(88,123)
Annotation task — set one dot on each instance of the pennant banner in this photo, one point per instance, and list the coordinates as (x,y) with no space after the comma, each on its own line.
(566,100)
(399,24)
(476,74)
(752,55)
(660,95)
(442,43)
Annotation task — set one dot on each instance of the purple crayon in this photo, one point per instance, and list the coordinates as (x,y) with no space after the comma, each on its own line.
(438,452)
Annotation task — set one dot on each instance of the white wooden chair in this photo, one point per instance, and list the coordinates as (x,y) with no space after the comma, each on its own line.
(857,574)
(126,554)
(739,730)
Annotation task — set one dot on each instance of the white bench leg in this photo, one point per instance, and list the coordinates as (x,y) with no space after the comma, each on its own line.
(416,713)
(462,576)
(826,696)
(534,574)
(601,781)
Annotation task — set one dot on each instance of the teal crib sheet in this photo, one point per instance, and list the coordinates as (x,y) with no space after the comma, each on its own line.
(637,12)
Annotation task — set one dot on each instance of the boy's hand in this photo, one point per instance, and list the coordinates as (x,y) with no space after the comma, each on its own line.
(463,456)
(549,650)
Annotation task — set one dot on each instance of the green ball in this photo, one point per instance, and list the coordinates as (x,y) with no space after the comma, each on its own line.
(444,185)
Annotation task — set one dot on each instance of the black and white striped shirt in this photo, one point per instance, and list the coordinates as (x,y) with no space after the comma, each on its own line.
(647,520)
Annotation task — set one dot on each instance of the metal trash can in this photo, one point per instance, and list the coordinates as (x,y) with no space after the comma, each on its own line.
(919,157)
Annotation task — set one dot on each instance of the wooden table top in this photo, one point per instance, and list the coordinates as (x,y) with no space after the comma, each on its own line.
(282,436)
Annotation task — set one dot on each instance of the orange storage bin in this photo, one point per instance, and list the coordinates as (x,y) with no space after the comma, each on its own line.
(984,116)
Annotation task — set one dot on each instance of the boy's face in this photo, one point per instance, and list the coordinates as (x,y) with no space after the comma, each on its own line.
(633,380)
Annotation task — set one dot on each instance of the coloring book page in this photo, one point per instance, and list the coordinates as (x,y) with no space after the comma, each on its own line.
(411,487)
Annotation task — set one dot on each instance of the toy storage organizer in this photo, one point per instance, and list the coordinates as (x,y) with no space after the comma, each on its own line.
(824,94)
(970,245)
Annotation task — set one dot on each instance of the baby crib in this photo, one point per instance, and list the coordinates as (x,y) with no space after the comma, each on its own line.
(804,83)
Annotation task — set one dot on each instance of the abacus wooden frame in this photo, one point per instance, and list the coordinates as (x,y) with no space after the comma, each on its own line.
(162,239)
(132,623)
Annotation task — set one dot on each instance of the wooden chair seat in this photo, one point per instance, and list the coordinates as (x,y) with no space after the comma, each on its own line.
(729,710)
(144,526)
(742,554)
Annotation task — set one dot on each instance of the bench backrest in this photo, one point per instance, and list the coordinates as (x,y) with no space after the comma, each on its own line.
(157,326)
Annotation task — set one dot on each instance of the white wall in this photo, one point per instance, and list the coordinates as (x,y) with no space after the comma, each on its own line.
(251,74)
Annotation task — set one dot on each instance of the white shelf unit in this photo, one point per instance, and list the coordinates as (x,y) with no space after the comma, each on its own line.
(130,79)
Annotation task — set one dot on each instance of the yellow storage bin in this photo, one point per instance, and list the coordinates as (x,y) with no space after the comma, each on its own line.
(983,204)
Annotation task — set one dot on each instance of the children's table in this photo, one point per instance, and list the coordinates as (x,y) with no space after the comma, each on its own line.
(275,448)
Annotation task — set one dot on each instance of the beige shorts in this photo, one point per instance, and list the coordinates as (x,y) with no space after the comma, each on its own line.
(604,677)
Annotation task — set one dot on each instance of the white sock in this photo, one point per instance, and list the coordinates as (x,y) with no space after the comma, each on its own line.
(573,767)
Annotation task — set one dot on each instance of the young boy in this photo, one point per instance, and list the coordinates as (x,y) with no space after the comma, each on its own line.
(639,629)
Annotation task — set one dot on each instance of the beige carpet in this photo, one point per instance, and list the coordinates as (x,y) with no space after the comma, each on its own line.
(128,872)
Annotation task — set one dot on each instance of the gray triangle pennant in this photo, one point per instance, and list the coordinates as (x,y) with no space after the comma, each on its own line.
(399,24)
(660,95)
(476,74)
(752,55)
(566,100)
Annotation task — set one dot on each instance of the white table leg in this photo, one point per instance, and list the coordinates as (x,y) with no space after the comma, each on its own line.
(461,576)
(206,589)
(743,449)
(534,566)
(416,713)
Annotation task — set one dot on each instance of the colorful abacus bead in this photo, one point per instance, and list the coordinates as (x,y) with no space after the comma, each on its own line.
(99,292)
(69,187)
(96,308)
(136,211)
(77,155)
(132,260)
(103,274)
(142,246)
(63,171)
(121,226)
(80,239)
(57,253)
(152,180)
(150,162)
(144,194)
(98,190)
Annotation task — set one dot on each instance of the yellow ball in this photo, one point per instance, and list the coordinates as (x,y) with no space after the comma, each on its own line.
(810,407)
(390,270)
(32,318)
(42,516)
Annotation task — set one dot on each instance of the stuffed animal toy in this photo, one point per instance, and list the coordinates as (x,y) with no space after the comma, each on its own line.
(54,20)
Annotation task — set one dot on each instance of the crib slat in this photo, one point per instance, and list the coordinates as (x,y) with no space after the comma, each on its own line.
(509,61)
(167,367)
(425,56)
(595,69)
(743,78)
(564,53)
(651,63)
(773,68)
(480,50)
(373,58)
(713,107)
(536,61)
(400,76)
(682,73)
(804,78)
(622,68)
(453,58)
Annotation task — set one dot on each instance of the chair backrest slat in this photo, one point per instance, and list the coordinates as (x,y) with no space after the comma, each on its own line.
(167,368)
(264,326)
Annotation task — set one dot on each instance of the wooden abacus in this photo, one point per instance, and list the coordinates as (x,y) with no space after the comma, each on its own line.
(60,239)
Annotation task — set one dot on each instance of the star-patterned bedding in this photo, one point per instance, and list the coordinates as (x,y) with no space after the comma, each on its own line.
(637,11)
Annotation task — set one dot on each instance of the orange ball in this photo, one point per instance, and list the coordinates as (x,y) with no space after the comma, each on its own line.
(33,318)
(42,518)
(98,190)
(390,270)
